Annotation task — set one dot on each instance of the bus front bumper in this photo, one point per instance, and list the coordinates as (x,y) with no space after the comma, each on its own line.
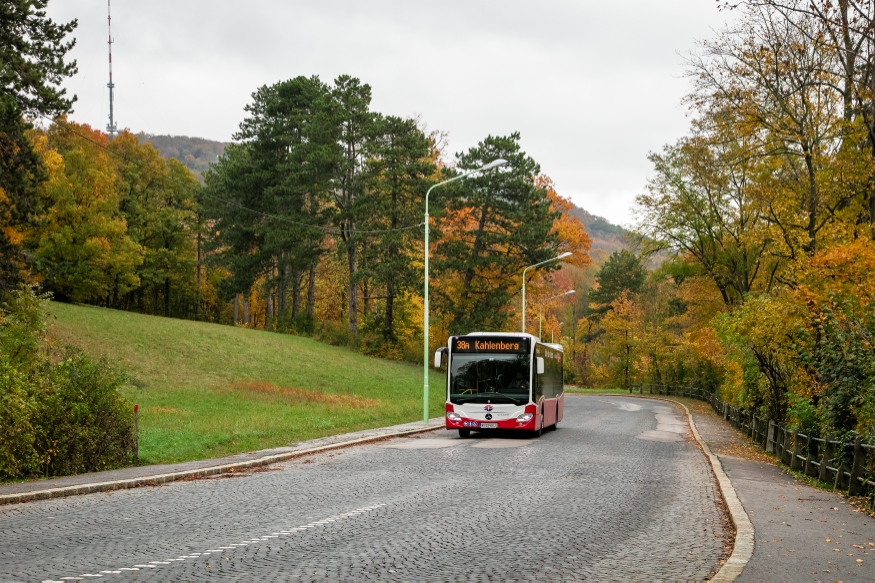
(478,424)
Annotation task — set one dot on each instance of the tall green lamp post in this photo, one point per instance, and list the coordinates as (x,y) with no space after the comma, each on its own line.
(557,258)
(425,355)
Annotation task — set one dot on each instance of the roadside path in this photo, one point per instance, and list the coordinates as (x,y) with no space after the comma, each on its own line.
(801,533)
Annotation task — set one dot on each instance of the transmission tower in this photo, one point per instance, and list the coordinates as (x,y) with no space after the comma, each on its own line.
(111,129)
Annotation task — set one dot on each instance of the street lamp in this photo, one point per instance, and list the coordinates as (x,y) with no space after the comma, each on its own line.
(553,328)
(541,306)
(425,359)
(563,256)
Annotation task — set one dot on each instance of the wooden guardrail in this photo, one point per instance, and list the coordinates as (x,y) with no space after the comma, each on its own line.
(848,467)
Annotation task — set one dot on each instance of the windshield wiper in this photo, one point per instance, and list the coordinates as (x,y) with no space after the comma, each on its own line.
(483,397)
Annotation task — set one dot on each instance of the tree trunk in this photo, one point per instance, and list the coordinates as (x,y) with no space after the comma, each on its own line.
(166,297)
(200,298)
(311,293)
(811,205)
(366,298)
(475,251)
(388,323)
(296,292)
(283,287)
(246,310)
(236,309)
(353,291)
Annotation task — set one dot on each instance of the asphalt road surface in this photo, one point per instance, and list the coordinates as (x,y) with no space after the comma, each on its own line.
(618,492)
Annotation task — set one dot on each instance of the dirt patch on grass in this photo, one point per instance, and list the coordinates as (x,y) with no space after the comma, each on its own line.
(296,395)
(167,410)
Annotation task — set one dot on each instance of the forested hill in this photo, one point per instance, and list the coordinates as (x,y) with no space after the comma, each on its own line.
(606,236)
(195,153)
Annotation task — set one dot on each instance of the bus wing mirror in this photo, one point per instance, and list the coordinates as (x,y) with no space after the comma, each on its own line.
(539,360)
(438,357)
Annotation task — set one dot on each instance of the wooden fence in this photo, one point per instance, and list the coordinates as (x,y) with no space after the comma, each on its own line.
(848,467)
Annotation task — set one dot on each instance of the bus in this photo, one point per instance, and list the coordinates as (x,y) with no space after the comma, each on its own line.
(501,380)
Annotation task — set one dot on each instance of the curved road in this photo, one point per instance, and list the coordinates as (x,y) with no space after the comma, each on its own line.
(618,492)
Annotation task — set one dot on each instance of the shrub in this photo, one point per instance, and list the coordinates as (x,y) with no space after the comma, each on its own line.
(18,456)
(56,418)
(85,425)
(334,333)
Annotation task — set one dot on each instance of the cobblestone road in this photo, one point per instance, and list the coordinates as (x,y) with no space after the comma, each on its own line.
(603,498)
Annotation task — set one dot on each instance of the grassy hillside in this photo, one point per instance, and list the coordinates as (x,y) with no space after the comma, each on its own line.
(207,390)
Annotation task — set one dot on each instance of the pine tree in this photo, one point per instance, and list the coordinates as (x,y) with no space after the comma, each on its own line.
(267,195)
(398,175)
(497,223)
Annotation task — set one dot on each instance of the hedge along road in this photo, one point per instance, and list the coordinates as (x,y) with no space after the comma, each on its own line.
(613,494)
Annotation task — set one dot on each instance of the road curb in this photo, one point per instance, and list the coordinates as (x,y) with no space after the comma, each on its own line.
(198,473)
(744,533)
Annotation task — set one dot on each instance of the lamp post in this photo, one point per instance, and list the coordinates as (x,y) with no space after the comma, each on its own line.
(563,256)
(490,166)
(541,306)
(553,328)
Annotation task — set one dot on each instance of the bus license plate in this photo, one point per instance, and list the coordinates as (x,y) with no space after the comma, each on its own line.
(489,426)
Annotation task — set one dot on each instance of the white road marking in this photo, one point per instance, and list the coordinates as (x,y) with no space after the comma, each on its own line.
(232,546)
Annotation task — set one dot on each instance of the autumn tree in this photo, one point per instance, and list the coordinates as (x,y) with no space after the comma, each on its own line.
(80,242)
(844,32)
(157,198)
(618,355)
(771,76)
(702,201)
(32,53)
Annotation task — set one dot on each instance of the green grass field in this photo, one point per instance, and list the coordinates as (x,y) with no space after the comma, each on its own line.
(206,390)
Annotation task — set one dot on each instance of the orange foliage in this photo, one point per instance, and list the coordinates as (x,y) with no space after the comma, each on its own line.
(571,232)
(844,270)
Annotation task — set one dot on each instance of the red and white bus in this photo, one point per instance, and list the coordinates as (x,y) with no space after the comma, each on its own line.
(500,380)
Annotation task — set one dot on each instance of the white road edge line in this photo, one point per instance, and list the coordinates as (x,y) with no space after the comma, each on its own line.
(154,564)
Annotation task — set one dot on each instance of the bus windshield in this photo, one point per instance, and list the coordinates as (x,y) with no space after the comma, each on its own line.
(494,378)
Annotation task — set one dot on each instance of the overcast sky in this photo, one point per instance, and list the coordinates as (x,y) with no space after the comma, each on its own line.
(592,85)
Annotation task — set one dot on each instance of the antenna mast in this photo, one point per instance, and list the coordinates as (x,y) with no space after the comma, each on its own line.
(111,127)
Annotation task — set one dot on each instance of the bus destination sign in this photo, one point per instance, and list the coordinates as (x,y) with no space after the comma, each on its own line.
(501,345)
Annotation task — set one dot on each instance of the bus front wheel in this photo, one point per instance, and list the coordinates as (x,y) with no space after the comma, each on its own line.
(463,433)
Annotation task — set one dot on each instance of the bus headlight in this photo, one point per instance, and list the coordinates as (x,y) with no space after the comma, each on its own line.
(524,418)
(453,416)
